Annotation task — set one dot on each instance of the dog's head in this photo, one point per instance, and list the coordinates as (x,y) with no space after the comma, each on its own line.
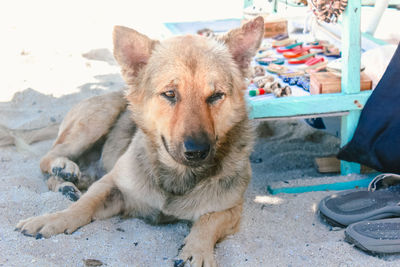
(186,92)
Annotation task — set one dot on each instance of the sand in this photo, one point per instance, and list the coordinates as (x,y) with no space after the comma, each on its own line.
(276,230)
(44,75)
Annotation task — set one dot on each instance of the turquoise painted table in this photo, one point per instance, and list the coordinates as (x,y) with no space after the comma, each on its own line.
(347,104)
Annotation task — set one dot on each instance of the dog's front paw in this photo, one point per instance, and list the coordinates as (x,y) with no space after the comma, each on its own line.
(66,169)
(70,191)
(197,256)
(49,224)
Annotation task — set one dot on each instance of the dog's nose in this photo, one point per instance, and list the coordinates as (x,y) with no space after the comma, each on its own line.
(196,149)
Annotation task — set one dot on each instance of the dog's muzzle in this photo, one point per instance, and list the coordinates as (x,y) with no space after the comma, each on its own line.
(196,150)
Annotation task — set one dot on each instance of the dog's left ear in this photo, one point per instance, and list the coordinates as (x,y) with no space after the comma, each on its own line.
(244,42)
(131,49)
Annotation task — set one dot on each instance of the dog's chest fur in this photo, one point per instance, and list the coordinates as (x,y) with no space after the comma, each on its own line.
(162,193)
(178,182)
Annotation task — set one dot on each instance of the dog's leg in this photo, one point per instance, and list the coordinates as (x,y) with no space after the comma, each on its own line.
(206,232)
(9,136)
(68,189)
(84,124)
(102,200)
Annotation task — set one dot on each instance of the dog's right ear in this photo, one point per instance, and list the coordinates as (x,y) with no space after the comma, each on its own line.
(244,42)
(131,49)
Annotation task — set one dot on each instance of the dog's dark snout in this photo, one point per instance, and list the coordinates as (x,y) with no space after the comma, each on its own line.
(196,149)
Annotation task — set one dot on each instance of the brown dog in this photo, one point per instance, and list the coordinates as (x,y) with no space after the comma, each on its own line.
(175,147)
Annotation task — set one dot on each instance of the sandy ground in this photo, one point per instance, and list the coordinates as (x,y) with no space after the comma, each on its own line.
(53,65)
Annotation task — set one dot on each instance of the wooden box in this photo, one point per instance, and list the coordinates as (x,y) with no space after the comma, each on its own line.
(332,165)
(273,25)
(327,83)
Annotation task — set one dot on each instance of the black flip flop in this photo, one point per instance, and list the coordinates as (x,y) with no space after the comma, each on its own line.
(381,200)
(375,237)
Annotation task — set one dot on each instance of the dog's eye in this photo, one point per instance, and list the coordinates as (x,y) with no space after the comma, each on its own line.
(170,95)
(215,97)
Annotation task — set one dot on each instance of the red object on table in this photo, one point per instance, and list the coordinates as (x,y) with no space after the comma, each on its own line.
(295,54)
(313,61)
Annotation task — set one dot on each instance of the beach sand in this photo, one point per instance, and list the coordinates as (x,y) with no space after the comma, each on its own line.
(43,79)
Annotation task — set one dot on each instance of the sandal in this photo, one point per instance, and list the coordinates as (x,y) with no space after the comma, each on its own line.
(315,68)
(264,53)
(298,48)
(291,47)
(265,61)
(315,60)
(295,53)
(380,236)
(281,36)
(331,51)
(284,42)
(301,60)
(381,200)
(275,68)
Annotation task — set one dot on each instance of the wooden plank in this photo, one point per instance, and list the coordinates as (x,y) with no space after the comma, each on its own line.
(327,164)
(329,83)
(371,38)
(348,126)
(332,165)
(379,8)
(351,56)
(351,47)
(304,105)
(309,116)
(361,183)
